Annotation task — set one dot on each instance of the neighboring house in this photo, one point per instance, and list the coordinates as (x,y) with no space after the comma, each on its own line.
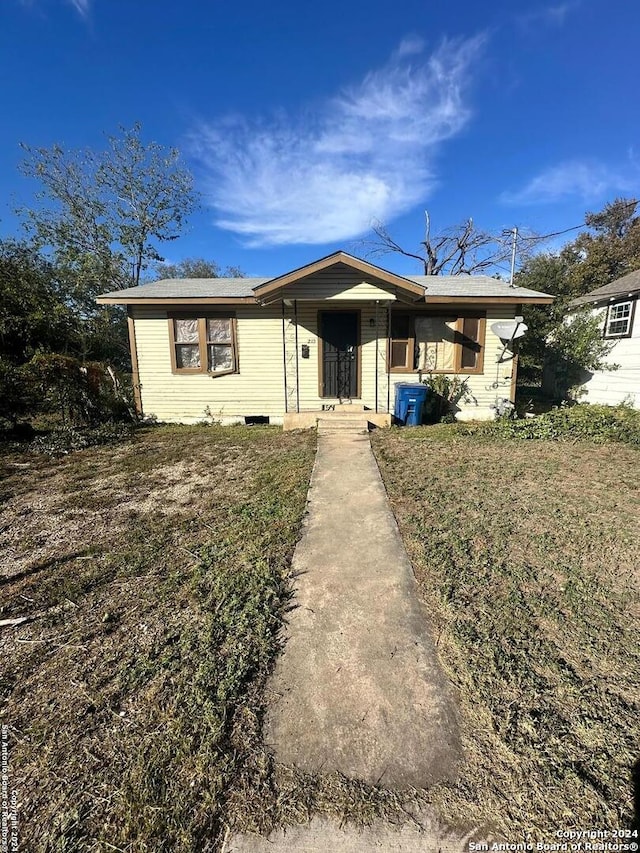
(615,306)
(339,330)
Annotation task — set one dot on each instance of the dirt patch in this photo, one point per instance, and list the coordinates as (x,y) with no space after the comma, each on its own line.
(107,690)
(64,511)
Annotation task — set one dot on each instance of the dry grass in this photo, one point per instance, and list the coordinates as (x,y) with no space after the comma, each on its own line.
(157,575)
(526,554)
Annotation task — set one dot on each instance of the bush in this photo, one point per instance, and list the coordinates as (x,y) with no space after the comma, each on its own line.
(66,439)
(446,393)
(80,394)
(15,401)
(582,422)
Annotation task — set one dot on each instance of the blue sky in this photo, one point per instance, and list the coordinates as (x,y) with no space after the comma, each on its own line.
(304,122)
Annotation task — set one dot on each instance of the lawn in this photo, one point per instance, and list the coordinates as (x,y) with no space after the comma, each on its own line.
(526,555)
(156,575)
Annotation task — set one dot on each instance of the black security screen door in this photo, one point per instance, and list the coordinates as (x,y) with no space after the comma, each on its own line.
(339,333)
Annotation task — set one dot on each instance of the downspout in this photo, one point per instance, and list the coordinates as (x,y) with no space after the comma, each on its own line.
(295,315)
(284,359)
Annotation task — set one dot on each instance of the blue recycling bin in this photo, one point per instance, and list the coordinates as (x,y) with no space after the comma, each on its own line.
(409,405)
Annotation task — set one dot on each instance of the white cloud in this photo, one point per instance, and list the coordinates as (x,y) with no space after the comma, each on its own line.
(366,154)
(552,16)
(81,6)
(409,46)
(589,180)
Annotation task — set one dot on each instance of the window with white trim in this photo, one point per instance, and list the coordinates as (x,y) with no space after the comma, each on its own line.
(618,324)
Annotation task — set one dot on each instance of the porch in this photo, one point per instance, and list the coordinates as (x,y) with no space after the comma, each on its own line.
(346,417)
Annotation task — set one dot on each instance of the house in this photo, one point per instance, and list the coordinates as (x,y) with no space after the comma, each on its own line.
(615,306)
(338,331)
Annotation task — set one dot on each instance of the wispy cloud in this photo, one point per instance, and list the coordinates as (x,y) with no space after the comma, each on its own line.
(83,7)
(367,153)
(550,16)
(588,180)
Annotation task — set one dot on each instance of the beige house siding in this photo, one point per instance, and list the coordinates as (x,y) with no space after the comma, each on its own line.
(259,387)
(339,283)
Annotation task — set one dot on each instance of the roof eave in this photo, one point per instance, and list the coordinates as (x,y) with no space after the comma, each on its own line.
(489,300)
(107,299)
(605,299)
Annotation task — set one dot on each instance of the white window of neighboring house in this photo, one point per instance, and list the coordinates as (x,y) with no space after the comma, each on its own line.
(618,323)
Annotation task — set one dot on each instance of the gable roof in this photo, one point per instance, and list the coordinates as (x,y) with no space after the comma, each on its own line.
(628,285)
(276,284)
(433,289)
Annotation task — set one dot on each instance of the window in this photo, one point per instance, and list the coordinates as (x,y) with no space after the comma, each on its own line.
(618,323)
(436,343)
(203,344)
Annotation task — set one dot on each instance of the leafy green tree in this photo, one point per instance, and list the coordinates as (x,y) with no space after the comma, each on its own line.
(197,268)
(33,316)
(40,325)
(605,252)
(105,214)
(33,311)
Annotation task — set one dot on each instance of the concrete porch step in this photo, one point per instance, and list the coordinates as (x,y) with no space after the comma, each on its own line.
(344,415)
(309,419)
(342,425)
(352,431)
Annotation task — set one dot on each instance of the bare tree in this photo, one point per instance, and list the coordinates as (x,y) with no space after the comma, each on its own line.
(462,249)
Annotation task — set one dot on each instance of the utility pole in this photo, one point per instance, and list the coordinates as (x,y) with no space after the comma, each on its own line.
(513,255)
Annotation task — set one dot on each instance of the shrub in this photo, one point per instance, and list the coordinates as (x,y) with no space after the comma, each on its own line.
(582,422)
(80,394)
(15,401)
(446,393)
(67,439)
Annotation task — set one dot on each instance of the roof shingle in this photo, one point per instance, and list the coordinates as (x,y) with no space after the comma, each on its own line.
(628,285)
(192,288)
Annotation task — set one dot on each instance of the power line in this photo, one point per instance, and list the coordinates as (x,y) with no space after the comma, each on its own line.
(554,233)
(633,203)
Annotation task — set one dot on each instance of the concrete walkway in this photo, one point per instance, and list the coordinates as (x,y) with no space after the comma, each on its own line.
(358,688)
(323,836)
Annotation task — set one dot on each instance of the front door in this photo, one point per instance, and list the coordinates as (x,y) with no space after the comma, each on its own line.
(339,333)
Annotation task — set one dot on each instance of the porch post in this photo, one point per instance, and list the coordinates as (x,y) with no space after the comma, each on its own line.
(389,360)
(284,359)
(295,317)
(377,353)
